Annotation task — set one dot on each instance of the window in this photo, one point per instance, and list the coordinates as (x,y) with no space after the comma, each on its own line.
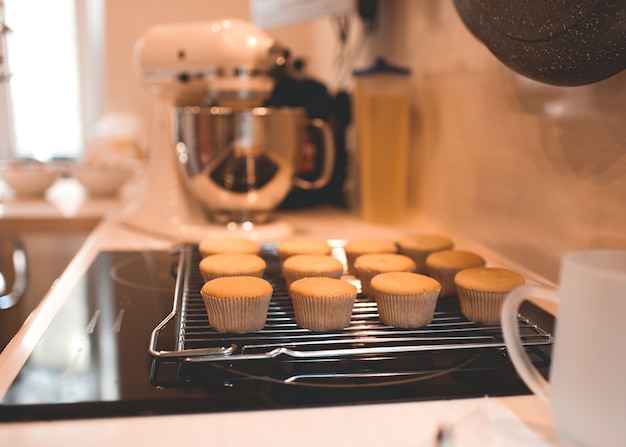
(50,60)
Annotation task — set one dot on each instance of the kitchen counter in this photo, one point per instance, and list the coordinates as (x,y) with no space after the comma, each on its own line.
(66,206)
(523,420)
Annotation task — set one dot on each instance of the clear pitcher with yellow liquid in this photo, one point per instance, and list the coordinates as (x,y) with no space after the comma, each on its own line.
(382,117)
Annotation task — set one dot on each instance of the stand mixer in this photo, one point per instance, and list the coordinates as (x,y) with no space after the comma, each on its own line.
(209,80)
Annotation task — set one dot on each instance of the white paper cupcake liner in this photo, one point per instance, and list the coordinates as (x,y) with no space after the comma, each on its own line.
(481,307)
(322,313)
(237,315)
(406,311)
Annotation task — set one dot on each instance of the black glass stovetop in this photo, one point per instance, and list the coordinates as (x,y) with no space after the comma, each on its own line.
(93,360)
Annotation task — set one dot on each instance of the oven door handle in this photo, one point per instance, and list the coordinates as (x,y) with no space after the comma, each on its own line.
(15,262)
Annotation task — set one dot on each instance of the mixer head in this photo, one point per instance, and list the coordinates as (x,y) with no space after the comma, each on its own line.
(226,62)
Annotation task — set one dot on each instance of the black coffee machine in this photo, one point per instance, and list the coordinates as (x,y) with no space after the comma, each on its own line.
(294,88)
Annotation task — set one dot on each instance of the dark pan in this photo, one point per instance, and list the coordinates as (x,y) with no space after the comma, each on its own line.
(558,42)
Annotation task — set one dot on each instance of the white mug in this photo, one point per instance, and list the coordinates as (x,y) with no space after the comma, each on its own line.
(587,388)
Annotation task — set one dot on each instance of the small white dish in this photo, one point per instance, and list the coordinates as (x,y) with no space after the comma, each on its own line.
(101,180)
(29,179)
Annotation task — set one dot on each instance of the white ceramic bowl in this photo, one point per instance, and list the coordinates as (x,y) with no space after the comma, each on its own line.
(29,180)
(101,180)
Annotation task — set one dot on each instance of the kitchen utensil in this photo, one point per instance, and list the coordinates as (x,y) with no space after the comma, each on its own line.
(560,42)
(241,163)
(231,66)
(587,391)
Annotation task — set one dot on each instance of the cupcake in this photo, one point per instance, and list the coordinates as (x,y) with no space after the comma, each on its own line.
(213,246)
(483,290)
(419,246)
(322,304)
(300,266)
(369,265)
(237,304)
(405,299)
(443,265)
(358,247)
(302,246)
(231,264)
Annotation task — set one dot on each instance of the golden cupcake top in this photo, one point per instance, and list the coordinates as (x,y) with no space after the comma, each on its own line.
(232,263)
(455,259)
(489,279)
(237,287)
(313,263)
(303,245)
(214,246)
(425,243)
(370,246)
(323,287)
(404,283)
(384,262)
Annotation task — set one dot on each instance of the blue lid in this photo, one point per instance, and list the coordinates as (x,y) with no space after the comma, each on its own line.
(381,66)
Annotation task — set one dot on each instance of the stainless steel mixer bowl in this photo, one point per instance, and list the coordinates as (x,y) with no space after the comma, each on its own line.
(241,163)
